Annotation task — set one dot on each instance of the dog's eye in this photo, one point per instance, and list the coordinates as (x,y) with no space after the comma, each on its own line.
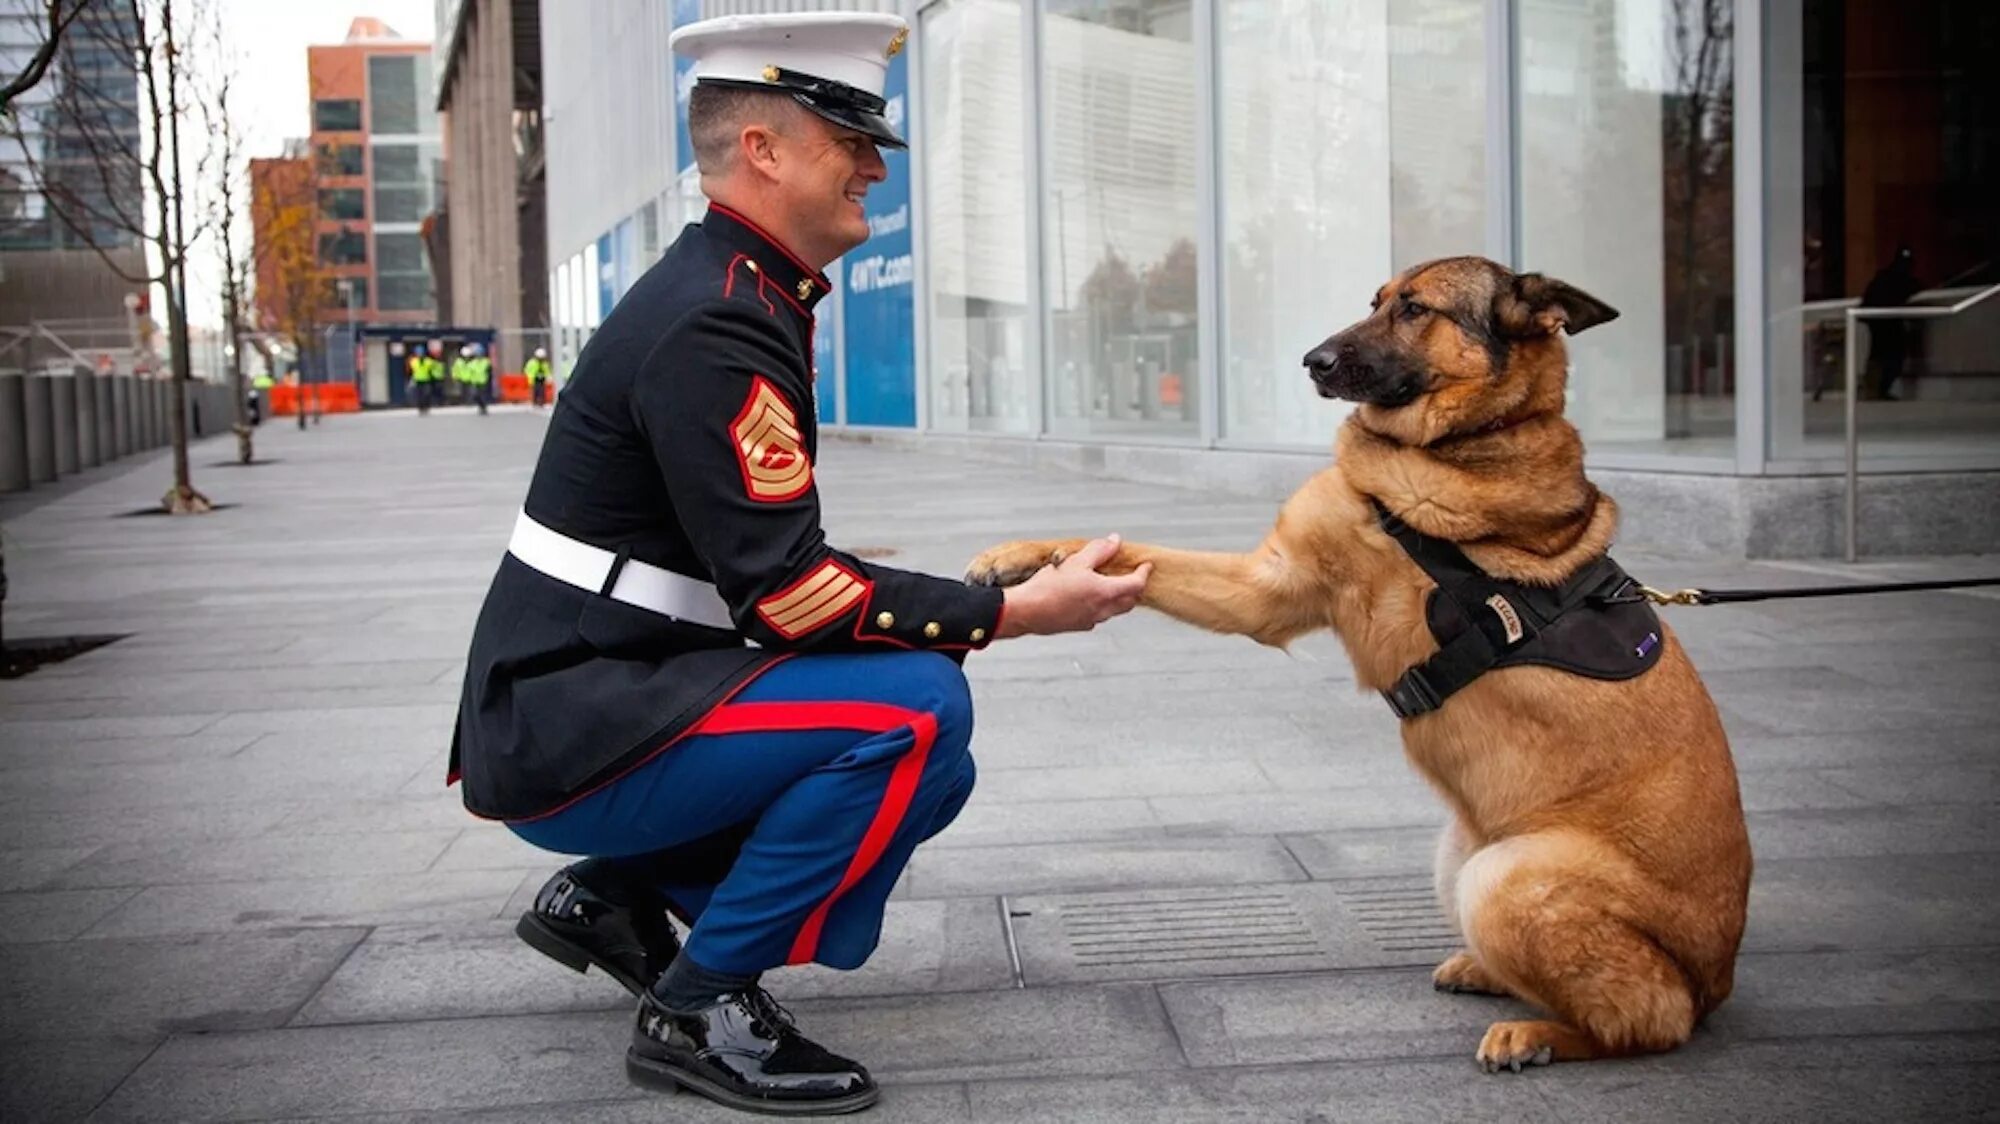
(1411,310)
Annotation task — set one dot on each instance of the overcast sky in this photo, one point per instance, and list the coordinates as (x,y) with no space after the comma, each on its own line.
(270,101)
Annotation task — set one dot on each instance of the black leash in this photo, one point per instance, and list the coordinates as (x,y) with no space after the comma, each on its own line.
(1729,596)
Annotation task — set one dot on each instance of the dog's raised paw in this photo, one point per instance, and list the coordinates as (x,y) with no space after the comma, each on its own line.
(1010,563)
(1513,1045)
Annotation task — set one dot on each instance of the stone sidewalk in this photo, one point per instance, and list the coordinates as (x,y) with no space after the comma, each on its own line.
(1192,885)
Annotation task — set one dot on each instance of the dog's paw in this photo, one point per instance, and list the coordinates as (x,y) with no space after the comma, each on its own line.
(1460,974)
(1011,563)
(1512,1045)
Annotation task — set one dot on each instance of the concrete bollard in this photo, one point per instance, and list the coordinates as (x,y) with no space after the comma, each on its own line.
(121,416)
(13,434)
(62,390)
(155,418)
(107,419)
(149,396)
(86,418)
(40,403)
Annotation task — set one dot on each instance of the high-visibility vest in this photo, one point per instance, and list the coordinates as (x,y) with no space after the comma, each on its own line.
(482,370)
(424,369)
(537,370)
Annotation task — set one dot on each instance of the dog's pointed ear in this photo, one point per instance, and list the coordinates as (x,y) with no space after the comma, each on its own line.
(1534,305)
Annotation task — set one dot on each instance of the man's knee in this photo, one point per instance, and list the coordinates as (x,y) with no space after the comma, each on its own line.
(942,690)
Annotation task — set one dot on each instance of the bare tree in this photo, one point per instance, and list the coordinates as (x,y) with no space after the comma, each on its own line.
(90,194)
(59,15)
(225,210)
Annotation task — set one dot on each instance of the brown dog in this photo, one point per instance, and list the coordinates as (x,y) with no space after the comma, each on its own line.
(1597,864)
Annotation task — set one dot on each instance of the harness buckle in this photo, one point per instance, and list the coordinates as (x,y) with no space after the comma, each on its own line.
(1413,695)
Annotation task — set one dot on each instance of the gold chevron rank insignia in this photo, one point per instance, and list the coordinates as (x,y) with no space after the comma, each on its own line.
(823,595)
(768,446)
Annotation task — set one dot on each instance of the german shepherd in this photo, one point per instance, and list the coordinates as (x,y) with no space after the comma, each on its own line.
(1596,864)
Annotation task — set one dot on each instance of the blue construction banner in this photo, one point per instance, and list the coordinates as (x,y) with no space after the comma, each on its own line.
(878,321)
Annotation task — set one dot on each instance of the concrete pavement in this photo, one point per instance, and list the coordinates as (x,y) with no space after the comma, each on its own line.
(1192,884)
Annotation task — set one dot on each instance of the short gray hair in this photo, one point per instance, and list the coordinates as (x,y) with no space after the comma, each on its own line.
(717,116)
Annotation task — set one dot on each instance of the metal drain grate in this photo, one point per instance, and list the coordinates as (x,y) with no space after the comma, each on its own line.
(1401,915)
(1186,929)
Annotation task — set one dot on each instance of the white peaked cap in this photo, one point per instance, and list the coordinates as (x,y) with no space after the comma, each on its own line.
(833,63)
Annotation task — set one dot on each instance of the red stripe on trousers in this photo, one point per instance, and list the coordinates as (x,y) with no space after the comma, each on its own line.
(875,718)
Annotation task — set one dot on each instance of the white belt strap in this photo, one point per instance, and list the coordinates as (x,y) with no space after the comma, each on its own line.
(647,586)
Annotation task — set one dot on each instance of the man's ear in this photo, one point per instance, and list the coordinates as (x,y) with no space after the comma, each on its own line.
(757,146)
(1533,305)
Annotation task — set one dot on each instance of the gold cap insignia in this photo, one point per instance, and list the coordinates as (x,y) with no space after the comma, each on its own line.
(770,74)
(896,44)
(805,287)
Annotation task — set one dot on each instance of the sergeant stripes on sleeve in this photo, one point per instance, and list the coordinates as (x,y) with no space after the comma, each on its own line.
(768,446)
(823,595)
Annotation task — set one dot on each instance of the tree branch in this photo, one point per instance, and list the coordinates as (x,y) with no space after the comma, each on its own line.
(38,65)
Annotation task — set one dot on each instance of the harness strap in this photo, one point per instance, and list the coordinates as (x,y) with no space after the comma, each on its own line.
(1479,620)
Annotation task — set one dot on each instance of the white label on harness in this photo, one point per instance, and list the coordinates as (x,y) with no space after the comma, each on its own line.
(1510,619)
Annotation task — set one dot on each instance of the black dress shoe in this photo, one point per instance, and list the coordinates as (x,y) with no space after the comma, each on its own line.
(575,927)
(744,1052)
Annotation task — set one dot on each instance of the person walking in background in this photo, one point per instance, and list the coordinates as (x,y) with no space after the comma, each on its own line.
(1889,339)
(537,371)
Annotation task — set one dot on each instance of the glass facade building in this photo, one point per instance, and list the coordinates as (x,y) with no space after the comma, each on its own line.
(1128,220)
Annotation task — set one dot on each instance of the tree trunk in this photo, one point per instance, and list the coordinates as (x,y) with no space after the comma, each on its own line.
(182,499)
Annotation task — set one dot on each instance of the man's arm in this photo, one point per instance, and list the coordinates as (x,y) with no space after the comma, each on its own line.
(724,403)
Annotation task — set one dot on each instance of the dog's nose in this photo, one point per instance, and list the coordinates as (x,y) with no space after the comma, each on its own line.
(1327,356)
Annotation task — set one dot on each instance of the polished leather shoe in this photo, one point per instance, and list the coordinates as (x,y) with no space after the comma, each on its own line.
(576,927)
(743,1051)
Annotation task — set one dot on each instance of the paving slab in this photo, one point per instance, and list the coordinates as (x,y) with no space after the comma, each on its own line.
(51,1081)
(405,973)
(1202,861)
(378,900)
(55,915)
(144,990)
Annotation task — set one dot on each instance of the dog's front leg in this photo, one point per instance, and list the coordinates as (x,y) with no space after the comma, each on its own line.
(1259,594)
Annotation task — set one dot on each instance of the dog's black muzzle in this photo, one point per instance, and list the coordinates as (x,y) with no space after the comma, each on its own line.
(1341,369)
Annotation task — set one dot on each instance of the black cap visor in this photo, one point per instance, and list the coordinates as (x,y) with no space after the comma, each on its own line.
(838,102)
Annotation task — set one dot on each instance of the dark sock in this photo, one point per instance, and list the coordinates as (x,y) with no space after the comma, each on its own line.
(687,986)
(610,879)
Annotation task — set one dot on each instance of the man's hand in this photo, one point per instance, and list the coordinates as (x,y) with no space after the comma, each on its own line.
(1072,596)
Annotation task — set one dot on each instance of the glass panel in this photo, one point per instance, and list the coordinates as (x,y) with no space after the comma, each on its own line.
(340,160)
(348,247)
(392,94)
(1626,192)
(404,292)
(1119,217)
(343,203)
(336,116)
(399,253)
(399,204)
(1393,98)
(975,164)
(1884,190)
(396,163)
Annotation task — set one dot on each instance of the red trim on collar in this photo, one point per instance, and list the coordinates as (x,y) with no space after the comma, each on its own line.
(725,212)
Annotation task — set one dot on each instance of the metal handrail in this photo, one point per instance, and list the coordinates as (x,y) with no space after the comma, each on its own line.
(1853,344)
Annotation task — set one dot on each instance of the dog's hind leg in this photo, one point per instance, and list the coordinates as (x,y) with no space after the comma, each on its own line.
(1460,973)
(1541,915)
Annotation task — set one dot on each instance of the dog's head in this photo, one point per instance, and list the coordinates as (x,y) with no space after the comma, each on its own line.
(1453,346)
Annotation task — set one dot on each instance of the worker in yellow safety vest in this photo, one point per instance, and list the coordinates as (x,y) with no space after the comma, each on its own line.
(537,371)
(425,371)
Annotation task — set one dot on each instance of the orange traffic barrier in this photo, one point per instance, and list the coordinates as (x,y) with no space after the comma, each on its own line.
(515,388)
(325,398)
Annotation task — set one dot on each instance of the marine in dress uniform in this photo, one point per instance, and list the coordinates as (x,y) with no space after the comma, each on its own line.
(675,673)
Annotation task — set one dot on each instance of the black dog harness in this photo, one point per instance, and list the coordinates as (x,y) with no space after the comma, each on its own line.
(1597,624)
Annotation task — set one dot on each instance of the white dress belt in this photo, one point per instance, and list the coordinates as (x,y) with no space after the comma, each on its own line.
(638,583)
